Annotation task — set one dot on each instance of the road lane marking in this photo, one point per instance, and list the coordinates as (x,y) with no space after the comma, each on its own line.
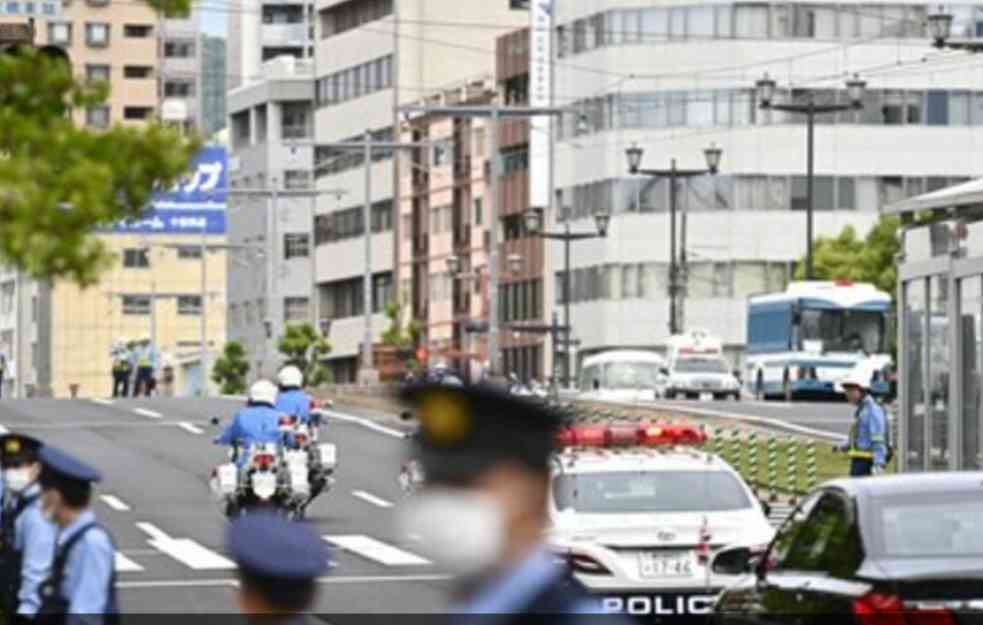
(114,502)
(188,427)
(372,499)
(192,554)
(126,565)
(155,532)
(366,423)
(233,583)
(4,430)
(148,413)
(375,550)
(104,402)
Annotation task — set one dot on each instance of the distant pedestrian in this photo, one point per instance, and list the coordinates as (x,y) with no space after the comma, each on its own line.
(83,577)
(279,563)
(146,362)
(122,370)
(867,442)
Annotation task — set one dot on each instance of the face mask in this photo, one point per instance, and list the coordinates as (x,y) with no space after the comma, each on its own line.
(17,479)
(460,530)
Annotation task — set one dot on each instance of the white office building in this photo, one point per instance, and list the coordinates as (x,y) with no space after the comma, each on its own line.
(373,56)
(261,30)
(676,76)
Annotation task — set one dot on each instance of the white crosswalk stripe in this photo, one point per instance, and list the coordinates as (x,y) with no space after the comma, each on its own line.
(126,565)
(376,550)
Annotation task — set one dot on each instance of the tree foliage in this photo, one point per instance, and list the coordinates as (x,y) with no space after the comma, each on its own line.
(304,348)
(849,257)
(59,182)
(396,335)
(231,369)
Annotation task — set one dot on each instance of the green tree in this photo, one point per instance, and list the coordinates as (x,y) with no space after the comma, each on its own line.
(848,257)
(304,348)
(231,368)
(59,183)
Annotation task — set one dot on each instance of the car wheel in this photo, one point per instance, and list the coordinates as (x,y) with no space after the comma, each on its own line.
(719,397)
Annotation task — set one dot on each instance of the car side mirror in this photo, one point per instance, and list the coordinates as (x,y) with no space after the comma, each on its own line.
(765,507)
(733,561)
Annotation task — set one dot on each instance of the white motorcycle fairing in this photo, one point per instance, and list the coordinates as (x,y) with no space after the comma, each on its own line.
(264,484)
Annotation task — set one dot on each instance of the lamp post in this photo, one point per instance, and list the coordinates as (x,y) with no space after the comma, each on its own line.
(940,29)
(534,219)
(712,155)
(766,93)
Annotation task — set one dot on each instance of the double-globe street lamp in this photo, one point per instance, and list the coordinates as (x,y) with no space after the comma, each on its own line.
(712,155)
(534,224)
(766,94)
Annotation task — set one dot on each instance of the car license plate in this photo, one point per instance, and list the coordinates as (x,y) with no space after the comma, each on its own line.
(706,396)
(665,565)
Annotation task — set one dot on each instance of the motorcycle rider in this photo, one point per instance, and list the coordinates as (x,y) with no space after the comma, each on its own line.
(258,422)
(28,539)
(292,400)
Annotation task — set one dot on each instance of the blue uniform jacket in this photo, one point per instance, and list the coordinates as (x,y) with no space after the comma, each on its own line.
(34,537)
(253,424)
(88,570)
(295,403)
(868,435)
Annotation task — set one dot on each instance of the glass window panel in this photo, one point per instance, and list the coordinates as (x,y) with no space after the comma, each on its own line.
(823,193)
(614,24)
(826,23)
(917,22)
(913,105)
(653,110)
(677,23)
(935,183)
(849,22)
(893,108)
(751,21)
(743,109)
(647,281)
(579,36)
(871,112)
(971,305)
(655,25)
(722,115)
(677,109)
(799,198)
(894,21)
(699,109)
(780,21)
(963,20)
(914,186)
(724,18)
(846,196)
(629,281)
(959,108)
(631,23)
(939,371)
(700,283)
(803,21)
(700,22)
(937,108)
(870,21)
(891,190)
(868,197)
(749,278)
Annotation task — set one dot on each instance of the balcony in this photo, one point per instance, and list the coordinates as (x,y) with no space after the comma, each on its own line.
(284,35)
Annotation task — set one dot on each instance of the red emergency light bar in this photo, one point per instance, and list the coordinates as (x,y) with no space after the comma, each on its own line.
(644,434)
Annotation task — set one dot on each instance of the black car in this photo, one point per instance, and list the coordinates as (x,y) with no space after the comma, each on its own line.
(886,550)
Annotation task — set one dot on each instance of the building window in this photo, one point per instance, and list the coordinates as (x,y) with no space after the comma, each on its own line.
(178,88)
(382,291)
(179,49)
(352,14)
(97,34)
(296,179)
(97,72)
(138,71)
(137,31)
(60,33)
(294,120)
(136,305)
(296,245)
(189,305)
(136,258)
(189,252)
(355,82)
(296,309)
(7,290)
(477,211)
(137,112)
(382,217)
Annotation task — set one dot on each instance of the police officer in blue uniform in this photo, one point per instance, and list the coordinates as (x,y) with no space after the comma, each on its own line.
(292,400)
(867,442)
(83,577)
(481,512)
(258,422)
(279,563)
(28,539)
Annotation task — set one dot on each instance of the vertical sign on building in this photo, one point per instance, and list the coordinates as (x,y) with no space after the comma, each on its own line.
(540,94)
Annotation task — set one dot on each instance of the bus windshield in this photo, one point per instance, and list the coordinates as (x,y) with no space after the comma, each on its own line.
(619,375)
(845,330)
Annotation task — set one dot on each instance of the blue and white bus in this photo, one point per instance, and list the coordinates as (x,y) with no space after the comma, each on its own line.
(806,339)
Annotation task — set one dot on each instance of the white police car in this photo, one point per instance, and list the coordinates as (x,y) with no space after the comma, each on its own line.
(637,512)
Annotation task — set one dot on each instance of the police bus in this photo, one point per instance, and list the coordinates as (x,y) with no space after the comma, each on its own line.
(622,375)
(801,342)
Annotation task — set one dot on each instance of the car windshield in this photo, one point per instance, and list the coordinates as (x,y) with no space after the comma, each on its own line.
(700,365)
(845,330)
(629,375)
(929,526)
(649,491)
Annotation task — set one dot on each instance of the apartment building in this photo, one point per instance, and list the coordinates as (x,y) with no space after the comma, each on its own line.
(214,84)
(261,30)
(372,57)
(270,270)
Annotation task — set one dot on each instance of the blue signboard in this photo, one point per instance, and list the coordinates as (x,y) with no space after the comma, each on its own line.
(195,204)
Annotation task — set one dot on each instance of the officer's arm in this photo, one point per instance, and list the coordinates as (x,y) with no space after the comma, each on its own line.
(230,434)
(878,440)
(39,545)
(91,565)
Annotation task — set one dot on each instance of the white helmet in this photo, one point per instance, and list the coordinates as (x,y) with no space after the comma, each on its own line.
(290,376)
(263,392)
(859,378)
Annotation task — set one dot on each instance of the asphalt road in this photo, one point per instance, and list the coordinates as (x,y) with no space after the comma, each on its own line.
(156,455)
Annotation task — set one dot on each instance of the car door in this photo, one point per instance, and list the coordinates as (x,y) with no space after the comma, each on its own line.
(767,596)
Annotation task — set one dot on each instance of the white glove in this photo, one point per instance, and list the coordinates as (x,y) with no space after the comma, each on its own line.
(877,470)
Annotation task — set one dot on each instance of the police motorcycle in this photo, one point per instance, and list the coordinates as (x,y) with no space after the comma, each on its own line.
(263,482)
(309,465)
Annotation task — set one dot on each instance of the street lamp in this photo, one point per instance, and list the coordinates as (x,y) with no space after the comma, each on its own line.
(940,27)
(766,93)
(712,156)
(534,222)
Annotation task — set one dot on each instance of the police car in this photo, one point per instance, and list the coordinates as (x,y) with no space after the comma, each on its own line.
(637,511)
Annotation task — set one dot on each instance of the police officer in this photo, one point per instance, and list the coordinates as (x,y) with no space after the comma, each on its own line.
(481,512)
(145,364)
(279,563)
(122,368)
(867,443)
(82,579)
(292,400)
(28,538)
(258,422)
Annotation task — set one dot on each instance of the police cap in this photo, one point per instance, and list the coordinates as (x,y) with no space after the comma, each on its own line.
(465,430)
(17,448)
(67,467)
(271,547)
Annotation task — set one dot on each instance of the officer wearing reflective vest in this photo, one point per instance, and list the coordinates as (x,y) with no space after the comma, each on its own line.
(28,539)
(867,443)
(82,582)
